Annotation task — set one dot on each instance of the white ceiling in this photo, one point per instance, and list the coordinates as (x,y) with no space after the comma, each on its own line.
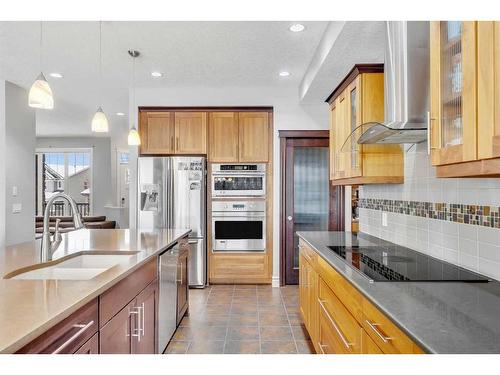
(190,54)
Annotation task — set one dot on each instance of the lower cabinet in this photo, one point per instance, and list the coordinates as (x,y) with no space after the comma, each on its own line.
(116,335)
(338,318)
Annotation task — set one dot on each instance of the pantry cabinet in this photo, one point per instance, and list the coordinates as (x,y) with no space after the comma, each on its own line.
(359,99)
(239,137)
(465,101)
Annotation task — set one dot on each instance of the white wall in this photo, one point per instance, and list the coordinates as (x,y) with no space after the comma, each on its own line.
(288,114)
(19,165)
(101,174)
(471,246)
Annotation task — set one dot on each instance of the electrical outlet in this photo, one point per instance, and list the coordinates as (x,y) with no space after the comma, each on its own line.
(384,219)
(16,208)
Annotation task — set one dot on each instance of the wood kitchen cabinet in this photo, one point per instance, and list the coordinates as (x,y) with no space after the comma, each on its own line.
(239,137)
(190,133)
(465,98)
(223,137)
(116,335)
(146,317)
(339,319)
(359,99)
(157,131)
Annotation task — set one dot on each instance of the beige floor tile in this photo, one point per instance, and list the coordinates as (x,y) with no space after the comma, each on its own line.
(206,347)
(241,333)
(242,347)
(276,333)
(278,347)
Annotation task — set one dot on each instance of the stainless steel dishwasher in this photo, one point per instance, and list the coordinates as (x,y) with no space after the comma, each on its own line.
(168,295)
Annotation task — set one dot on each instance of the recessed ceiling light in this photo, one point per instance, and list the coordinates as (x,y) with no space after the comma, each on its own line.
(284,74)
(120,114)
(56,75)
(297,28)
(157,74)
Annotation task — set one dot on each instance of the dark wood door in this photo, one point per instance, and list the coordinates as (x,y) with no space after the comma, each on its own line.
(146,302)
(306,196)
(116,336)
(182,285)
(90,347)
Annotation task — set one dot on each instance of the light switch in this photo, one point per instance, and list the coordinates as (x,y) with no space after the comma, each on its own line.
(384,219)
(14,191)
(16,208)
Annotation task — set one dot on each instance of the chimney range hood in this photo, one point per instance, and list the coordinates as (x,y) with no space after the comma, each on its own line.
(406,86)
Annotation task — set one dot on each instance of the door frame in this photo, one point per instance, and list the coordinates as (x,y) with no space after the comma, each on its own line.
(336,201)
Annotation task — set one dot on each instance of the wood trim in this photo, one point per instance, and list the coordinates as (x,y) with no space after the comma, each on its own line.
(337,208)
(205,109)
(303,133)
(476,168)
(351,76)
(282,208)
(369,180)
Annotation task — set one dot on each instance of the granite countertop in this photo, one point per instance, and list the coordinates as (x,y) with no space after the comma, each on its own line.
(28,308)
(442,317)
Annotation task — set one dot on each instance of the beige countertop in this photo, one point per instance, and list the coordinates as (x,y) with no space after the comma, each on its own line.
(30,307)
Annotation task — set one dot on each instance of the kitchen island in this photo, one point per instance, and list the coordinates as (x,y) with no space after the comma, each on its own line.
(438,317)
(29,308)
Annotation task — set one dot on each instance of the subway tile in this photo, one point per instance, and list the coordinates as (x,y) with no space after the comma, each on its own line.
(489,268)
(489,252)
(489,235)
(468,247)
(450,255)
(467,231)
(468,261)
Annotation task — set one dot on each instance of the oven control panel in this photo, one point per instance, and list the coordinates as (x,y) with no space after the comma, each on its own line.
(231,206)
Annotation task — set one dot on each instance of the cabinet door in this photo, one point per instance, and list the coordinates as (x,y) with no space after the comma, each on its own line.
(313,304)
(146,303)
(353,120)
(488,100)
(333,140)
(303,290)
(90,347)
(253,137)
(157,132)
(116,336)
(190,133)
(342,133)
(182,286)
(223,136)
(453,77)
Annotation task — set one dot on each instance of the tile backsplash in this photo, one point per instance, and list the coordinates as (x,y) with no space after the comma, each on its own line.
(456,220)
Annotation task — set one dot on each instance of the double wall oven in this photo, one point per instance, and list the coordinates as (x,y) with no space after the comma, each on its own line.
(239,221)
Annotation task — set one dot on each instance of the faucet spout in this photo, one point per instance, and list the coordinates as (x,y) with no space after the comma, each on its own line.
(50,245)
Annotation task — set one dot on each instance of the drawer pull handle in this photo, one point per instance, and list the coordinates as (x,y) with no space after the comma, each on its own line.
(346,343)
(83,328)
(374,328)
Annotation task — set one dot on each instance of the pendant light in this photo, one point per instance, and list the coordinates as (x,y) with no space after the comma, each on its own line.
(40,95)
(99,121)
(133,135)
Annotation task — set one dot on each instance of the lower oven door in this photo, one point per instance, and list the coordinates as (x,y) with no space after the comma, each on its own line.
(239,233)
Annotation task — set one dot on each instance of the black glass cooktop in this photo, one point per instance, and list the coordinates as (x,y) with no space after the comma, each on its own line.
(401,264)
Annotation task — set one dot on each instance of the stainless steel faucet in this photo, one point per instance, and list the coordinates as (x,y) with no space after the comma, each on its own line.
(50,245)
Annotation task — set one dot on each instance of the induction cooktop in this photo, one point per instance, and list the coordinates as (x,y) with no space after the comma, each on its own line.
(401,264)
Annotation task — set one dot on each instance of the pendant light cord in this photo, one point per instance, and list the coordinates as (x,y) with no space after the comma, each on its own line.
(133,89)
(41,44)
(100,63)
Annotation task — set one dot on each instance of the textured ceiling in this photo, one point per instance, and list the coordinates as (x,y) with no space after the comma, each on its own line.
(190,54)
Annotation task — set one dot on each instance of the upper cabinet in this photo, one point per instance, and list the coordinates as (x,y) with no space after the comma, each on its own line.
(190,132)
(359,99)
(239,137)
(157,131)
(223,135)
(465,104)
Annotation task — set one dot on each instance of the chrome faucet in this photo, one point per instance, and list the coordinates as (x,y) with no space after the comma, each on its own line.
(50,245)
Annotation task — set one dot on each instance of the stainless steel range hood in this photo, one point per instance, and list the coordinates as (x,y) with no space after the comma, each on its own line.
(406,86)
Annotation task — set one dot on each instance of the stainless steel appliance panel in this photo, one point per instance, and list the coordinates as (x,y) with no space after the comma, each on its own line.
(197,262)
(153,208)
(167,301)
(238,180)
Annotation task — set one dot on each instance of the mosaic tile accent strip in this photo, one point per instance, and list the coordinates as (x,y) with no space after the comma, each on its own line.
(487,216)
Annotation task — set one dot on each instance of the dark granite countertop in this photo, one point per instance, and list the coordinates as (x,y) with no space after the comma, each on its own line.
(442,317)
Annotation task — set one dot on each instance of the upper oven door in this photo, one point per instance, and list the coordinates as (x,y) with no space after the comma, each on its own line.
(238,233)
(251,184)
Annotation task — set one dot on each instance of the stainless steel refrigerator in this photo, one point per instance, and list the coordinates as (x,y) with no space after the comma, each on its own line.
(172,194)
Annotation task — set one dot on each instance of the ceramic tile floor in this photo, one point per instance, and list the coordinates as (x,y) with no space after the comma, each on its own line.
(242,319)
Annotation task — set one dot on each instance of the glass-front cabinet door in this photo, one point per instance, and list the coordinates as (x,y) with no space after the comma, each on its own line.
(453,121)
(352,149)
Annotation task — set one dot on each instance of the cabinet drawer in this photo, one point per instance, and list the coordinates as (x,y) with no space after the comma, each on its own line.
(115,298)
(91,346)
(389,338)
(349,295)
(67,336)
(309,254)
(368,346)
(341,323)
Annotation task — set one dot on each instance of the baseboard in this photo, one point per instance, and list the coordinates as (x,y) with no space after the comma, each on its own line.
(276,282)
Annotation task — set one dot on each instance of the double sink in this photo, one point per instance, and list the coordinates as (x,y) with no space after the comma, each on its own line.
(79,266)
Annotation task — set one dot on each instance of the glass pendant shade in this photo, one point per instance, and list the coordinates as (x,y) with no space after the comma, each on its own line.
(40,95)
(100,122)
(133,137)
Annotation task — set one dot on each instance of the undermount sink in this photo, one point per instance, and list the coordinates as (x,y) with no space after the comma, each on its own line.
(82,267)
